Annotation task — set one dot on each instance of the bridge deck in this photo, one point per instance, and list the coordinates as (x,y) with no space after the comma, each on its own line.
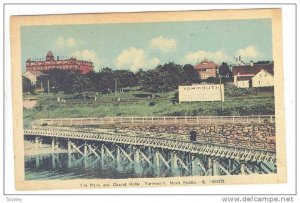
(165,141)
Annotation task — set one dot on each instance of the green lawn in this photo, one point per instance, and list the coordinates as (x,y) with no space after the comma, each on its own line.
(136,103)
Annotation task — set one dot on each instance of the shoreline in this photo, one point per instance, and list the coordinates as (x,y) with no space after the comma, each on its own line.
(29,149)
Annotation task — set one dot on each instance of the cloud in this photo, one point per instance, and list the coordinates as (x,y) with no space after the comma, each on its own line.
(134,59)
(165,45)
(88,55)
(71,42)
(248,52)
(194,57)
(62,42)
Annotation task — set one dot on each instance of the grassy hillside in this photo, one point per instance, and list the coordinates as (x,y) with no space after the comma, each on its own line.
(253,101)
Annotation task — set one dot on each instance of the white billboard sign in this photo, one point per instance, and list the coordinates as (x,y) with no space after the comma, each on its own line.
(201,93)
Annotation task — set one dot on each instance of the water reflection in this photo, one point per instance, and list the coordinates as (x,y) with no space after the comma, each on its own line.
(71,166)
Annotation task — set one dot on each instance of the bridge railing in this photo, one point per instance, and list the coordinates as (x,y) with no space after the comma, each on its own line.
(165,120)
(231,150)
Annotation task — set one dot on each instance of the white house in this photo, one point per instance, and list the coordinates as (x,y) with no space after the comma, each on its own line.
(263,79)
(243,81)
(32,76)
(253,75)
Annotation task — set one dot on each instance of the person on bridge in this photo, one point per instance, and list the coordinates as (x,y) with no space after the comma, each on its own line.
(193,136)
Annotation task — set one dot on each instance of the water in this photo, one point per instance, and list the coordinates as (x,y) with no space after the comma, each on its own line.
(64,166)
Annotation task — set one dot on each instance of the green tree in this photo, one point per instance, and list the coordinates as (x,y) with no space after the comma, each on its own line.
(59,80)
(190,75)
(141,77)
(93,77)
(212,80)
(27,86)
(105,80)
(125,78)
(56,79)
(68,82)
(81,84)
(163,78)
(224,71)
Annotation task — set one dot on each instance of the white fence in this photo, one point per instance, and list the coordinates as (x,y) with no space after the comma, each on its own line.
(190,120)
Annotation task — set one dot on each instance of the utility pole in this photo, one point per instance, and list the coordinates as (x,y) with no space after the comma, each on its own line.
(48,87)
(48,83)
(116,85)
(221,95)
(42,90)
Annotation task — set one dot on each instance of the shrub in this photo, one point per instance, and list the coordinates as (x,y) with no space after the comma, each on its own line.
(212,80)
(39,108)
(152,103)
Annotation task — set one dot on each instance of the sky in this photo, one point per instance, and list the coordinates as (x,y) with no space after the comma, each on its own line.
(145,45)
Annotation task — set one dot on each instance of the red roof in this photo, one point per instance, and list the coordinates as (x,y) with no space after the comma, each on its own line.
(205,64)
(252,70)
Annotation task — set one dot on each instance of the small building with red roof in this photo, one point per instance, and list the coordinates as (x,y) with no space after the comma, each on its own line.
(206,69)
(253,75)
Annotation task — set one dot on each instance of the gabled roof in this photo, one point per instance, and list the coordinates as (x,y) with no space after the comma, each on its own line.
(252,70)
(35,72)
(269,70)
(206,64)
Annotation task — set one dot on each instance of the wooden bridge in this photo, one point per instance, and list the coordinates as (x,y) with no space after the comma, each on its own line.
(157,150)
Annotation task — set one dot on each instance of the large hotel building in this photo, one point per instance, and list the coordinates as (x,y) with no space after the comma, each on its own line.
(64,64)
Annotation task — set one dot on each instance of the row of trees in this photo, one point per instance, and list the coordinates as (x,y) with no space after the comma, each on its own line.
(73,82)
(167,77)
(163,78)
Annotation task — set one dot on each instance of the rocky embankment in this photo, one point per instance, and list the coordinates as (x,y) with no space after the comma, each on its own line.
(248,135)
